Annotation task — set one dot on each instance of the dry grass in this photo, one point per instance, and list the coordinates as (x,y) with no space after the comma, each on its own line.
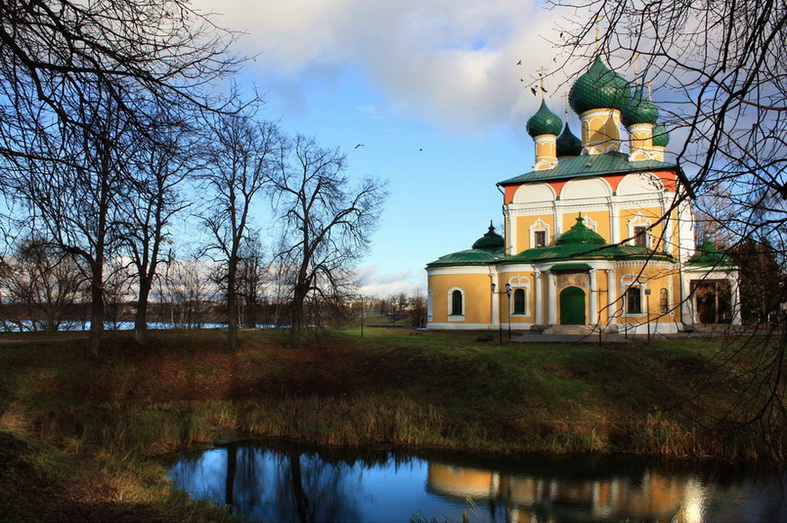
(391,389)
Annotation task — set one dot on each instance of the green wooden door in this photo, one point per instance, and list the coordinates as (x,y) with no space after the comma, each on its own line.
(572,306)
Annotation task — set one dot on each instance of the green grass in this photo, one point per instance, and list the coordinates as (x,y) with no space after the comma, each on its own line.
(394,387)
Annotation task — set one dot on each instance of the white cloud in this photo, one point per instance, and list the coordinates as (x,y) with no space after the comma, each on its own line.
(374,282)
(452,63)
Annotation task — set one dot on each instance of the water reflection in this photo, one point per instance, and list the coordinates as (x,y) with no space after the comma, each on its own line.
(292,484)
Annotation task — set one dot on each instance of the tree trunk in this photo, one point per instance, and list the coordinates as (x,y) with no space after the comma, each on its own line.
(232,305)
(229,482)
(296,315)
(96,310)
(141,317)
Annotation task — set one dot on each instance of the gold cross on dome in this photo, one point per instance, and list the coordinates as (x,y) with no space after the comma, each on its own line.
(541,72)
(650,92)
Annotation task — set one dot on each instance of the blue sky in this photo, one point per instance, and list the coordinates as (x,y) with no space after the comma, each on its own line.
(431,89)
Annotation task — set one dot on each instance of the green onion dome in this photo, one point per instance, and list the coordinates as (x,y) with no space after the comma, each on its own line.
(579,233)
(568,144)
(639,110)
(490,241)
(660,136)
(543,122)
(598,88)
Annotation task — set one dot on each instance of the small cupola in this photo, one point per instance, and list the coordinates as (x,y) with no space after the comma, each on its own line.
(543,127)
(708,255)
(639,110)
(568,144)
(660,141)
(490,241)
(579,233)
(639,116)
(598,97)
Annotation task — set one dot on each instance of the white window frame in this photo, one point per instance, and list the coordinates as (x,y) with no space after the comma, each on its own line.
(539,225)
(519,282)
(639,220)
(590,223)
(626,282)
(456,317)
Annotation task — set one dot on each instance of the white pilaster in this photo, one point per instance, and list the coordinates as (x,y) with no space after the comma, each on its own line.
(735,298)
(551,298)
(614,224)
(512,242)
(612,295)
(537,275)
(557,218)
(494,279)
(593,299)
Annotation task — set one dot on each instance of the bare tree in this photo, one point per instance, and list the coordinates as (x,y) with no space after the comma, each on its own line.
(135,51)
(160,166)
(75,202)
(77,81)
(251,277)
(720,69)
(419,309)
(45,282)
(187,292)
(327,222)
(239,160)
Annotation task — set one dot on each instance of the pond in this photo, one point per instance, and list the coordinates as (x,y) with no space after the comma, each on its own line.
(282,483)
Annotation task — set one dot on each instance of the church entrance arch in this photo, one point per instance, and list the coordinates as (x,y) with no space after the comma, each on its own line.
(572,306)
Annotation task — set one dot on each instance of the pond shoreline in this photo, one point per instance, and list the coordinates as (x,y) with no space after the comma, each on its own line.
(391,389)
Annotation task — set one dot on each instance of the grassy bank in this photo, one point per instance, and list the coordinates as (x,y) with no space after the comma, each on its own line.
(67,417)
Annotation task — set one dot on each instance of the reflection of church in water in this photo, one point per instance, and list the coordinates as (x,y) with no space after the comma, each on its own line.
(654,498)
(593,236)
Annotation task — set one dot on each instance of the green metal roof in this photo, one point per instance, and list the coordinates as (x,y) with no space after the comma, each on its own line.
(584,251)
(544,122)
(660,136)
(589,165)
(568,144)
(490,241)
(710,256)
(579,233)
(578,243)
(639,110)
(469,257)
(598,88)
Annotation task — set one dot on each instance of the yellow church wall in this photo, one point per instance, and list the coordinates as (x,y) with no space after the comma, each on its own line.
(650,214)
(657,276)
(601,127)
(523,225)
(477,297)
(518,280)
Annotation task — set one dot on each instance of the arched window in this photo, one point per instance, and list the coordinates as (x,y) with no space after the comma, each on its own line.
(634,300)
(457,303)
(664,301)
(519,301)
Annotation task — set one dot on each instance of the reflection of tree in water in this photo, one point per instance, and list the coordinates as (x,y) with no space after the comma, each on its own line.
(270,486)
(315,490)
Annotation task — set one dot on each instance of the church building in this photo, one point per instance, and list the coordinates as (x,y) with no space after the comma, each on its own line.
(599,235)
